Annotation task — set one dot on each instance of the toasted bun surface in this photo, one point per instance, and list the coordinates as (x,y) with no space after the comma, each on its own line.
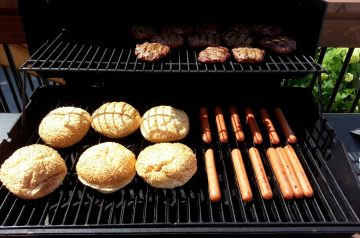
(164,124)
(64,126)
(33,171)
(106,167)
(166,165)
(116,119)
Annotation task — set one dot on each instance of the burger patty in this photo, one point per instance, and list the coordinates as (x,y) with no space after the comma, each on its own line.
(208,28)
(214,54)
(203,40)
(278,44)
(267,30)
(248,55)
(179,29)
(241,28)
(151,51)
(170,39)
(142,32)
(237,39)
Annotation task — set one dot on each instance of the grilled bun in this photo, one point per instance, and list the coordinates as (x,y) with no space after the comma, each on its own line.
(164,124)
(106,167)
(33,171)
(116,119)
(64,126)
(166,165)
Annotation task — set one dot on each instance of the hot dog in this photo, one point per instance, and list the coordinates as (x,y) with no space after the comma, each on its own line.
(236,125)
(279,172)
(213,182)
(220,124)
(273,136)
(241,176)
(290,173)
(299,171)
(205,128)
(260,174)
(285,127)
(250,120)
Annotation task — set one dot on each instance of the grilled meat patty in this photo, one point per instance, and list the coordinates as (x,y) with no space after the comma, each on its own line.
(237,39)
(170,39)
(151,51)
(208,28)
(214,54)
(242,28)
(278,44)
(142,32)
(203,40)
(179,29)
(267,30)
(248,55)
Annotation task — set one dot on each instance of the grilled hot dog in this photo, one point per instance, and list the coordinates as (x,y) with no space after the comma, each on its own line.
(273,136)
(221,127)
(205,128)
(241,176)
(250,120)
(285,127)
(260,174)
(236,125)
(213,182)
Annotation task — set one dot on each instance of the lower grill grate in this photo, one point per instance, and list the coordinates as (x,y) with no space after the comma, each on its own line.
(68,55)
(141,205)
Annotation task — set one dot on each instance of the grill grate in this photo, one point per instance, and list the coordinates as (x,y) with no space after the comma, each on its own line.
(64,55)
(139,205)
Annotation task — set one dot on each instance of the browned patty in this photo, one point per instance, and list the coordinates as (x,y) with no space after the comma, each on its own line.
(267,30)
(237,39)
(278,44)
(179,29)
(170,39)
(142,32)
(203,40)
(248,55)
(208,28)
(214,54)
(151,51)
(242,28)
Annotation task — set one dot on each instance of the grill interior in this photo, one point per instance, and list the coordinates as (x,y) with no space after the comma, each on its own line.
(64,54)
(141,206)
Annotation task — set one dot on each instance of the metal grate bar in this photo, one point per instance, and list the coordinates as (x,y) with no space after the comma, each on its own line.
(118,61)
(51,54)
(92,59)
(76,56)
(84,58)
(12,89)
(110,59)
(101,59)
(128,60)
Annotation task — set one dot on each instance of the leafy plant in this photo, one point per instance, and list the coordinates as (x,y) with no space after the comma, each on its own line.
(333,62)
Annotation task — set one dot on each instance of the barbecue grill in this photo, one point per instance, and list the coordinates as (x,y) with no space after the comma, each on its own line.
(90,47)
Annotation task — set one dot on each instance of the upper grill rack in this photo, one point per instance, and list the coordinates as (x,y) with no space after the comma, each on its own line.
(64,55)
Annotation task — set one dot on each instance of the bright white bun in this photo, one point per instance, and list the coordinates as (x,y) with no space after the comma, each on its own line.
(166,165)
(106,167)
(164,124)
(64,126)
(33,171)
(116,119)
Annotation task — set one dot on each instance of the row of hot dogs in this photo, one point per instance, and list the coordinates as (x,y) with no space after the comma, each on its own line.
(284,162)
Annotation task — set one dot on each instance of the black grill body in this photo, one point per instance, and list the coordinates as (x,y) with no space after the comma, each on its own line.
(89,45)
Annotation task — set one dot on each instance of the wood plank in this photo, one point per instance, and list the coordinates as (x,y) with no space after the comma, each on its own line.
(11,30)
(342,24)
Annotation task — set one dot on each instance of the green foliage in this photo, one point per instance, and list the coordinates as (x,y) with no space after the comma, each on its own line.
(333,62)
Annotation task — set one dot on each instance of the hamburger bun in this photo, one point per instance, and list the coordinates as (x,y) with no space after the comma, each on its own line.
(116,119)
(106,167)
(64,126)
(33,171)
(164,124)
(166,165)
